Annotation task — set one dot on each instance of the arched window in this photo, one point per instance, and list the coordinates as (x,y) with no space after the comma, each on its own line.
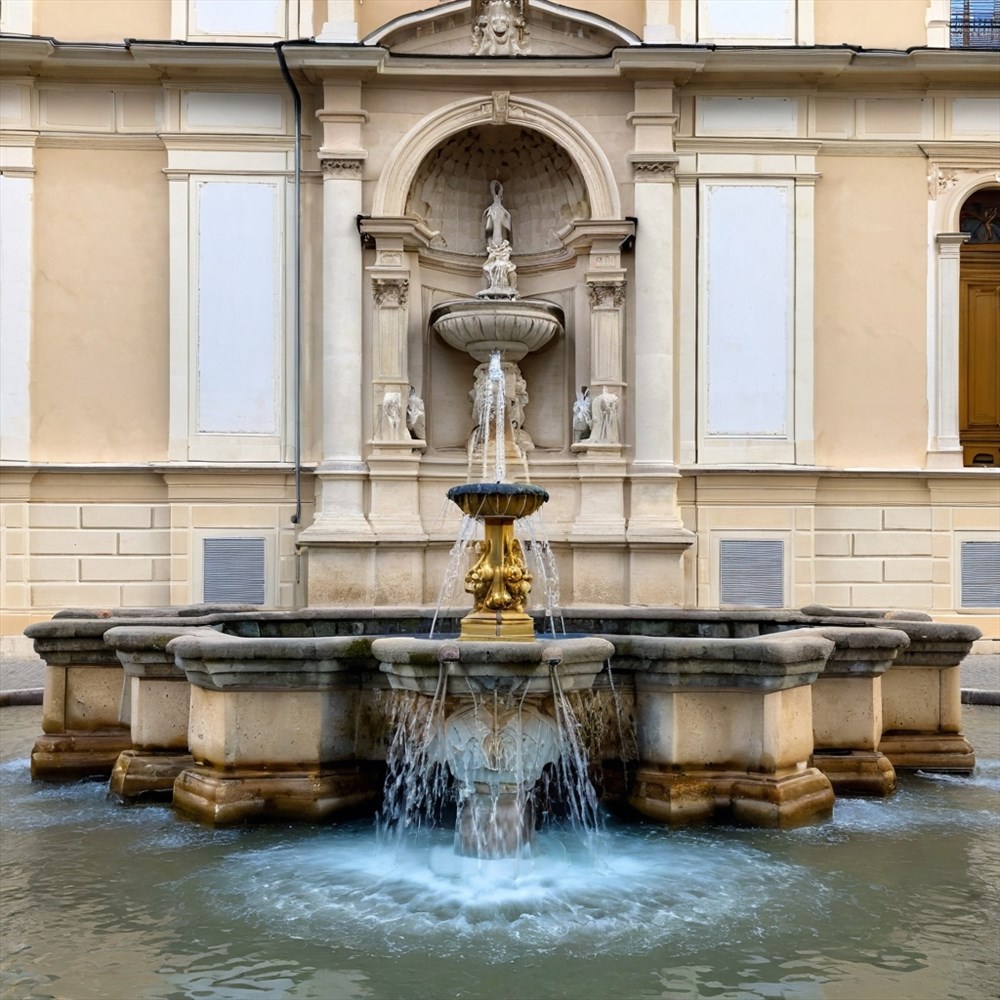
(979,329)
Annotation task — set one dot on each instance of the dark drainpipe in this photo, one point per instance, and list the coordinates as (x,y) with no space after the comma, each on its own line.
(296,279)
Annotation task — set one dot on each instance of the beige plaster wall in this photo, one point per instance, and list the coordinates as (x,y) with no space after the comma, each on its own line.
(870,308)
(99,351)
(82,21)
(898,24)
(629,14)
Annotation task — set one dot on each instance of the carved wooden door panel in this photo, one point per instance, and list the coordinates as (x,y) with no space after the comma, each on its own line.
(979,355)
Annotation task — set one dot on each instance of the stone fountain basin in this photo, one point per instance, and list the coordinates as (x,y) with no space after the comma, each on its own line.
(506,500)
(515,327)
(470,667)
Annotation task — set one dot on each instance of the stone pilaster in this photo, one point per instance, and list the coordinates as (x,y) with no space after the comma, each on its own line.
(341,475)
(654,516)
(944,449)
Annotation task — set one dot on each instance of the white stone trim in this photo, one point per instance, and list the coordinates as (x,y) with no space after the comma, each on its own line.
(183,23)
(950,182)
(404,161)
(186,443)
(803,30)
(16,258)
(16,17)
(938,21)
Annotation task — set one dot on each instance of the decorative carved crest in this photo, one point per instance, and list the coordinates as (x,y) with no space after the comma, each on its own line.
(500,28)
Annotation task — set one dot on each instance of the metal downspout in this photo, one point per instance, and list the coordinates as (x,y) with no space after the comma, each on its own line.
(296,278)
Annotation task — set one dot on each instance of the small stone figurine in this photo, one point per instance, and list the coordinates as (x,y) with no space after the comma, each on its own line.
(582,418)
(415,417)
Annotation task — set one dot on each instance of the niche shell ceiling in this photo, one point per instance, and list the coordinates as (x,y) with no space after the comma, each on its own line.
(542,189)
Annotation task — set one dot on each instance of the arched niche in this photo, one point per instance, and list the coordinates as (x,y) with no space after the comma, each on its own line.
(434,130)
(542,189)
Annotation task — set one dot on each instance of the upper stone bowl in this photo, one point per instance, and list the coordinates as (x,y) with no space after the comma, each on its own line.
(514,327)
(503,500)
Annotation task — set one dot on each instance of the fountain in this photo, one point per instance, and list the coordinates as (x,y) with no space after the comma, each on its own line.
(758,718)
(486,722)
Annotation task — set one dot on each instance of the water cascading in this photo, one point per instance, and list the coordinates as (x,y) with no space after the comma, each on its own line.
(486,717)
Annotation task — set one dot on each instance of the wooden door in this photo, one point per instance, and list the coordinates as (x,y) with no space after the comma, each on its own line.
(979,354)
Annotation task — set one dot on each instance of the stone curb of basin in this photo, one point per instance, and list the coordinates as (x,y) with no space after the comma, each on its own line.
(16,677)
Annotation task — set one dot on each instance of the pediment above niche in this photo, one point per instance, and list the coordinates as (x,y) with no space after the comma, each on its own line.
(552,30)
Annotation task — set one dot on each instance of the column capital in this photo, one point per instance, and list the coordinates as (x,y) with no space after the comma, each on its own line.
(950,244)
(342,166)
(656,168)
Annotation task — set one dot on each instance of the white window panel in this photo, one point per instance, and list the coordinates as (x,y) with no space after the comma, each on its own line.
(735,21)
(15,316)
(746,321)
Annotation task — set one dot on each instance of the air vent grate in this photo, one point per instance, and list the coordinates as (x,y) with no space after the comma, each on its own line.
(234,570)
(980,574)
(752,571)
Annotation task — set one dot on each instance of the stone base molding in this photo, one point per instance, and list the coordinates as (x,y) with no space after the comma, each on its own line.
(224,797)
(937,752)
(748,799)
(70,756)
(857,772)
(139,776)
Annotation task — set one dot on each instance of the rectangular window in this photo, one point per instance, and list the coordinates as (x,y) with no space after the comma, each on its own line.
(238,306)
(747,21)
(220,18)
(746,321)
(974,24)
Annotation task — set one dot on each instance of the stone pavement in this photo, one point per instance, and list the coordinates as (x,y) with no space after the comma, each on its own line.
(21,680)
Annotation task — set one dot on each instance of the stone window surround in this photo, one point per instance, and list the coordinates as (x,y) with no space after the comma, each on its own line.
(798,448)
(298,21)
(804,16)
(952,179)
(186,167)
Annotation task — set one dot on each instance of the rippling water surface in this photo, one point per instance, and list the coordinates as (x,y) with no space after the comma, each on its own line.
(896,899)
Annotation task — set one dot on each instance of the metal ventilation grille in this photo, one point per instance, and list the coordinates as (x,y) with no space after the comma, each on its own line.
(980,575)
(234,570)
(752,571)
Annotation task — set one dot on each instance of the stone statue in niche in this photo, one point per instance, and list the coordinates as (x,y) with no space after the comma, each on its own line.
(605,428)
(500,273)
(582,417)
(515,400)
(415,417)
(496,219)
(499,28)
(391,416)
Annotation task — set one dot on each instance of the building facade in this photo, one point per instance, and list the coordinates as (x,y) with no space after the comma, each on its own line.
(772,227)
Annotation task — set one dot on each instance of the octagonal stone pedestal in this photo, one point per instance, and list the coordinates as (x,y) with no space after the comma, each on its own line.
(724,728)
(159,704)
(921,693)
(273,728)
(83,730)
(847,709)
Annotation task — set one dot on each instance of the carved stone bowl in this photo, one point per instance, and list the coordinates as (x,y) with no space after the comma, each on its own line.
(515,327)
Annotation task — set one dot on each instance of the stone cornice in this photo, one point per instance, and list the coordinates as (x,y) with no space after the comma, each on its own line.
(950,68)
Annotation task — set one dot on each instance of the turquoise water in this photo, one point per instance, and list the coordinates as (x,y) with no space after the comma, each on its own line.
(896,899)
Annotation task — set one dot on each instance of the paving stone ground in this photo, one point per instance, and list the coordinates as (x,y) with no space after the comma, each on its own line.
(980,672)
